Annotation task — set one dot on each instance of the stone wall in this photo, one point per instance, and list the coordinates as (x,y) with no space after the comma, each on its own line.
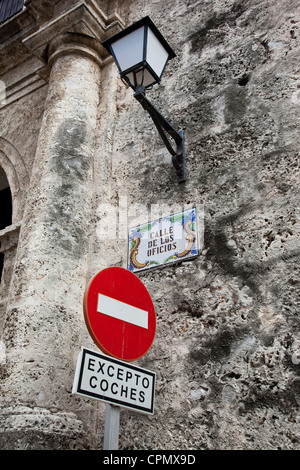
(227,342)
(227,339)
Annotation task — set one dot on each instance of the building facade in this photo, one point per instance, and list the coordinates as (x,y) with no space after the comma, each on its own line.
(81,163)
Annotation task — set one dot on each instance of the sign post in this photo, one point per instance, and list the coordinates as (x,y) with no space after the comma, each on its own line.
(121,320)
(111,429)
(116,383)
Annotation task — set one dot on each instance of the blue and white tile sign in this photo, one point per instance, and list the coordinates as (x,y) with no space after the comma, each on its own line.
(166,240)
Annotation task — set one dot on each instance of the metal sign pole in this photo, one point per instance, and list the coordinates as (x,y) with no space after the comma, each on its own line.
(111,429)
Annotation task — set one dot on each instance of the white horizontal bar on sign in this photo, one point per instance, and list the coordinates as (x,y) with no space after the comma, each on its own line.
(122,311)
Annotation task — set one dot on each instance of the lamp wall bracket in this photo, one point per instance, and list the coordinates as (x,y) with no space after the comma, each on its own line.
(166,131)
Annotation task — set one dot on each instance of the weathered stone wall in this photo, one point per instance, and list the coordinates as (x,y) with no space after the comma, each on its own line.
(227,342)
(227,339)
(42,322)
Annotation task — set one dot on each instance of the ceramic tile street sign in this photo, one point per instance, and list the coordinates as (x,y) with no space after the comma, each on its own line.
(166,240)
(114,382)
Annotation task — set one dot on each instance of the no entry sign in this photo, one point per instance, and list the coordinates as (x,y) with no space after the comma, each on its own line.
(119,314)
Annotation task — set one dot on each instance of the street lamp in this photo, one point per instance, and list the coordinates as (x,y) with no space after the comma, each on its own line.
(141,54)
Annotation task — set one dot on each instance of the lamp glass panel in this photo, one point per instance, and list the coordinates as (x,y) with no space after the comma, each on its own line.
(157,55)
(142,77)
(129,49)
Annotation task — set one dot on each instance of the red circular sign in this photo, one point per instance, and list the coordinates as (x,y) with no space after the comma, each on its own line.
(119,314)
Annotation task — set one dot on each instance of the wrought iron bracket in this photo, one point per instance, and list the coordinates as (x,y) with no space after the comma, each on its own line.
(165,131)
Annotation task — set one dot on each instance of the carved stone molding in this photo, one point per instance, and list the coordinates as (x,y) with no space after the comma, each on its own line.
(32,40)
(86,20)
(9,237)
(69,43)
(17,174)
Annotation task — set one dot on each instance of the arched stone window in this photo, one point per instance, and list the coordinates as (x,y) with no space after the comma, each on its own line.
(14,182)
(6,209)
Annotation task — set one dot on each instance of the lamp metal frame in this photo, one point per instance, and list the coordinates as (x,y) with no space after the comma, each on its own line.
(165,129)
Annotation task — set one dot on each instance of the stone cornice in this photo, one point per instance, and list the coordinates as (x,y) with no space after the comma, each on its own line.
(33,14)
(37,36)
(85,19)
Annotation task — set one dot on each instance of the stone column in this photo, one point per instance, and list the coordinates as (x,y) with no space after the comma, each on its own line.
(41,338)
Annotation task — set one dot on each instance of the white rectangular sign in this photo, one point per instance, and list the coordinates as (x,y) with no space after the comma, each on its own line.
(166,240)
(113,381)
(121,311)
